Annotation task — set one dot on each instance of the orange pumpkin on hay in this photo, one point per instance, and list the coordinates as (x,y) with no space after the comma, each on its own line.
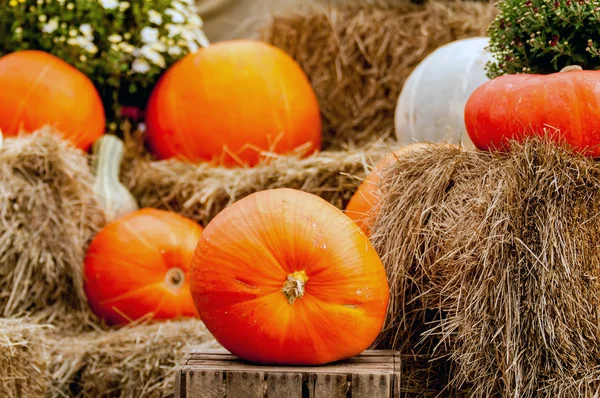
(40,89)
(137,267)
(231,101)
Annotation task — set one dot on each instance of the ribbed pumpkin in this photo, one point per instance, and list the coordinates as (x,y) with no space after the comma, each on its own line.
(284,277)
(563,105)
(137,267)
(230,101)
(40,89)
(363,207)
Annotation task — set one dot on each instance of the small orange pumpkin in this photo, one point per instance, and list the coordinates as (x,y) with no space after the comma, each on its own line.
(230,101)
(40,89)
(363,207)
(137,267)
(284,277)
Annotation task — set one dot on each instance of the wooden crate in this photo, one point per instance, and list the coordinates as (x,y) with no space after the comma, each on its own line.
(217,373)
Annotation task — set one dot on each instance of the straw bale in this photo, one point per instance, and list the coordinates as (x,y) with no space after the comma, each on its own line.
(494,265)
(201,191)
(47,214)
(134,361)
(22,364)
(357,56)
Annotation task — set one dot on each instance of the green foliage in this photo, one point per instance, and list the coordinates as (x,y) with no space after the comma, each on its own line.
(543,36)
(123,46)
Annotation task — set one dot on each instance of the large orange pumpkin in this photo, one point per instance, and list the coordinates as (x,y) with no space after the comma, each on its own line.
(40,89)
(363,207)
(283,277)
(565,106)
(137,267)
(230,101)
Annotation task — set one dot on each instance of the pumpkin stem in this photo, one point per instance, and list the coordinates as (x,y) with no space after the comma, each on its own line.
(571,68)
(174,278)
(293,287)
(115,197)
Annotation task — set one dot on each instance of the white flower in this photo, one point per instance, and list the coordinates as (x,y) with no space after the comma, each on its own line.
(157,46)
(180,7)
(90,47)
(70,6)
(149,35)
(176,16)
(114,38)
(109,4)
(192,46)
(174,50)
(42,18)
(126,47)
(83,43)
(153,56)
(18,30)
(140,65)
(124,6)
(201,38)
(51,26)
(155,17)
(173,30)
(195,20)
(87,30)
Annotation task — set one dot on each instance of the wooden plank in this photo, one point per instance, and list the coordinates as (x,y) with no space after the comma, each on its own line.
(349,361)
(245,384)
(292,369)
(284,385)
(328,386)
(180,383)
(221,351)
(371,386)
(204,383)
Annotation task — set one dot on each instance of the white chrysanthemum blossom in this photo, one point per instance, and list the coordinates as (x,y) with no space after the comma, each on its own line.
(140,65)
(155,17)
(115,38)
(109,4)
(51,26)
(176,16)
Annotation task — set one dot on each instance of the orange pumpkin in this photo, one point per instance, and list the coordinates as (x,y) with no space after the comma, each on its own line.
(137,267)
(363,207)
(229,102)
(40,89)
(283,277)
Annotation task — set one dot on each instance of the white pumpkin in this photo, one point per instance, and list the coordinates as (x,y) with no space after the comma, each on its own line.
(432,102)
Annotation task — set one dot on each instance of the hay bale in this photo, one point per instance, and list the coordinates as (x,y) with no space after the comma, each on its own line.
(47,214)
(407,236)
(494,272)
(22,364)
(132,361)
(201,191)
(357,56)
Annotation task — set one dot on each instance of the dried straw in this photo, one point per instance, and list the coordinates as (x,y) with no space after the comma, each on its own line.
(201,191)
(493,262)
(22,364)
(358,55)
(47,214)
(135,361)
